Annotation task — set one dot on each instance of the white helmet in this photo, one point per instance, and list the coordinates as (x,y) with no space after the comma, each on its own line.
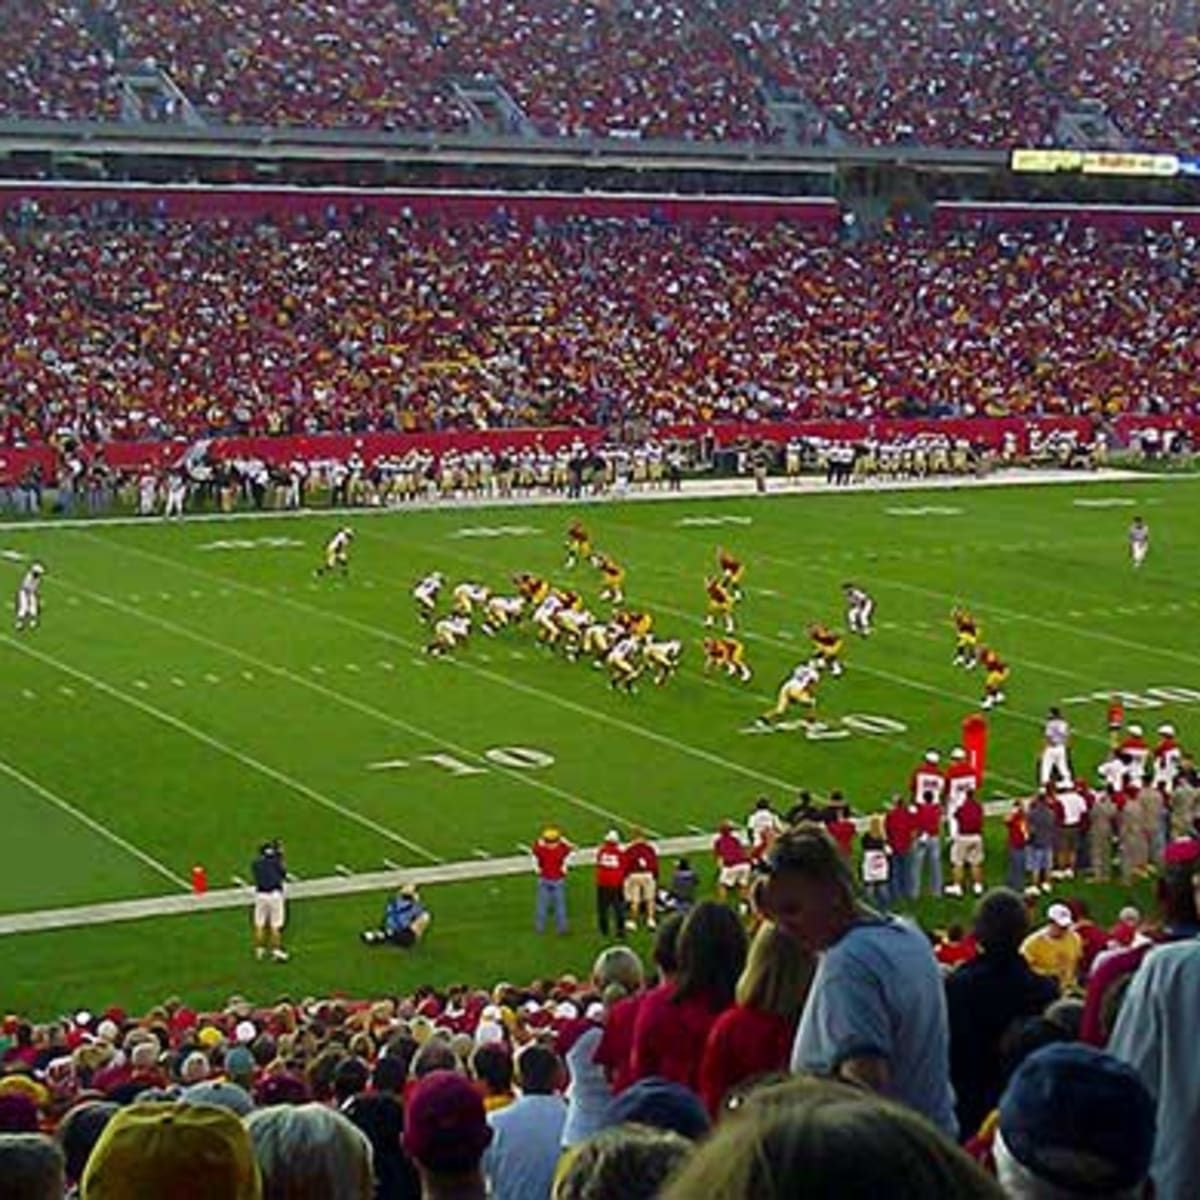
(932,756)
(1135,731)
(958,753)
(1167,730)
(37,569)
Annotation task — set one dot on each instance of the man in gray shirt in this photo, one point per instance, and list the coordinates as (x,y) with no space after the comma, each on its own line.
(876,1014)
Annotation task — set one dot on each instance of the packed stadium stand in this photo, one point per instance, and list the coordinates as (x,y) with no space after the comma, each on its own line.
(118,324)
(900,71)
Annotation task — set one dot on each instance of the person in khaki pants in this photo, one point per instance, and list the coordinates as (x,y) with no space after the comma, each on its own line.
(641,880)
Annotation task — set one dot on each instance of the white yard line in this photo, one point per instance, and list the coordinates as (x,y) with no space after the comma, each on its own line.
(468,870)
(214,743)
(94,825)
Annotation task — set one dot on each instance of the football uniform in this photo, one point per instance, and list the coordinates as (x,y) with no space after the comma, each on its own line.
(729,655)
(733,571)
(797,688)
(966,638)
(1168,758)
(544,618)
(337,552)
(1139,541)
(579,544)
(448,633)
(827,647)
(573,623)
(663,658)
(599,639)
(467,595)
(994,678)
(1054,760)
(533,588)
(860,608)
(720,604)
(613,575)
(622,664)
(426,594)
(501,611)
(28,599)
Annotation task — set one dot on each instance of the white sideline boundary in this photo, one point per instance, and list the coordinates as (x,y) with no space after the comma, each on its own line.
(691,489)
(468,870)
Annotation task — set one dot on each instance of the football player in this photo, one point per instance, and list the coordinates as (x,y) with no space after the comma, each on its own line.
(726,654)
(798,688)
(544,619)
(623,665)
(28,599)
(466,595)
(613,575)
(579,544)
(860,607)
(426,594)
(720,603)
(500,612)
(733,570)
(573,624)
(966,638)
(995,675)
(337,553)
(637,624)
(1139,541)
(599,639)
(662,658)
(449,632)
(532,587)
(827,648)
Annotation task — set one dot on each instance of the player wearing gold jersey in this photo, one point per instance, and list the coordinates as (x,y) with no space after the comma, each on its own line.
(827,647)
(613,575)
(733,571)
(995,675)
(720,603)
(726,654)
(532,587)
(966,638)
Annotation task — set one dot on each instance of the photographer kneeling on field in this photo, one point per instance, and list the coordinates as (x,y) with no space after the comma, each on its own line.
(404,922)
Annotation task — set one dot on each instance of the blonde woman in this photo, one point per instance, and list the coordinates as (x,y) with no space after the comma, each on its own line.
(755,1036)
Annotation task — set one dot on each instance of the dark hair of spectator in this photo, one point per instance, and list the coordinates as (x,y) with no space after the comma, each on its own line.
(388,1074)
(79,1131)
(1001,922)
(666,943)
(712,953)
(539,1070)
(492,1065)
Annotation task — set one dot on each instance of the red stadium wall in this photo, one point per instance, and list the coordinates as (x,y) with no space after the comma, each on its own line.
(162,455)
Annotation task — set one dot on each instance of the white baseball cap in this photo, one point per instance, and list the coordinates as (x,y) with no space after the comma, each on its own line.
(958,752)
(1167,730)
(1060,915)
(1135,730)
(932,756)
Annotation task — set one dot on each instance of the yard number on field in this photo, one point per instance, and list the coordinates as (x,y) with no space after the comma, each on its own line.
(822,731)
(520,758)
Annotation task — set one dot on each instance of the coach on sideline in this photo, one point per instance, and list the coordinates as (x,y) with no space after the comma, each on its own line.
(269,874)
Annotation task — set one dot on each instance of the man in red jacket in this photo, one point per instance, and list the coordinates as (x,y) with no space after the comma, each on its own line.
(550,854)
(610,884)
(641,880)
(900,826)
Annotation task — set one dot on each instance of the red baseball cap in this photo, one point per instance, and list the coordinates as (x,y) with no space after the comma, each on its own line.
(445,1126)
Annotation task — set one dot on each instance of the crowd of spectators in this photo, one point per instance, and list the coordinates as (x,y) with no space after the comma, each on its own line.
(929,71)
(1076,1081)
(119,327)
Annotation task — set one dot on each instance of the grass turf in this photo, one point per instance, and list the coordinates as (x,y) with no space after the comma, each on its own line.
(193,691)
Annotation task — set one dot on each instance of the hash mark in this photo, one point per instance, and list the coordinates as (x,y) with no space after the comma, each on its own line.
(387,666)
(177,681)
(787,635)
(342,869)
(28,694)
(248,676)
(391,865)
(141,685)
(352,667)
(480,853)
(317,670)
(210,678)
(66,691)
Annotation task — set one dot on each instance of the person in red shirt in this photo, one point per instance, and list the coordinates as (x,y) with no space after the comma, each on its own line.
(842,829)
(673,1024)
(900,826)
(733,862)
(610,884)
(615,1052)
(966,847)
(641,880)
(956,948)
(755,1036)
(550,853)
(1017,831)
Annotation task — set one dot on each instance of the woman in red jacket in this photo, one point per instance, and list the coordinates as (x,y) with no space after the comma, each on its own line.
(755,1036)
(673,1023)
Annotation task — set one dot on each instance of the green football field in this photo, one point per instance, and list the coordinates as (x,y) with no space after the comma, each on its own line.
(193,691)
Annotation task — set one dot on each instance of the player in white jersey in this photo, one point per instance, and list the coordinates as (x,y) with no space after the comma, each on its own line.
(662,658)
(28,602)
(337,553)
(1167,759)
(544,619)
(599,639)
(426,594)
(467,595)
(1054,761)
(573,623)
(860,607)
(798,688)
(1139,541)
(500,612)
(623,665)
(449,632)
